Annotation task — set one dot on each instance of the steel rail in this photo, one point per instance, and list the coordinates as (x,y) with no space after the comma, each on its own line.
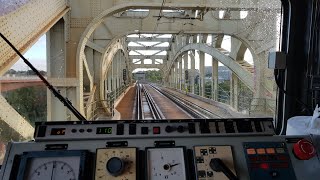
(138,103)
(193,109)
(155,110)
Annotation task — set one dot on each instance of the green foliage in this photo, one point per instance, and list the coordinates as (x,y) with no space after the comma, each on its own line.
(153,76)
(30,102)
(24,73)
(225,85)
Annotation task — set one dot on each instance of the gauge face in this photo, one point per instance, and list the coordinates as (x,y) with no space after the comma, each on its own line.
(53,168)
(54,165)
(166,163)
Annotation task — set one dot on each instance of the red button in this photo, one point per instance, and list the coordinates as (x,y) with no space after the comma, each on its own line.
(304,149)
(264,166)
(156,130)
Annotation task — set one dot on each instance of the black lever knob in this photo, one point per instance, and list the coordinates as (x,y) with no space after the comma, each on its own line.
(115,166)
(180,129)
(169,129)
(218,165)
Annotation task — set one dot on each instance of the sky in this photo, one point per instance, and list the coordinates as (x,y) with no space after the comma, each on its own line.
(37,56)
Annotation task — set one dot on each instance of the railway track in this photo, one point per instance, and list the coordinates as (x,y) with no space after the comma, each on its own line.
(147,108)
(193,109)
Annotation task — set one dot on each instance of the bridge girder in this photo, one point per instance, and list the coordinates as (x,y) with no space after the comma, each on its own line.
(108,27)
(17,28)
(149,48)
(98,25)
(243,74)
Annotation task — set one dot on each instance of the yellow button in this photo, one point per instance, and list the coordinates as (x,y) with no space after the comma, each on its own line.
(251,151)
(261,151)
(270,150)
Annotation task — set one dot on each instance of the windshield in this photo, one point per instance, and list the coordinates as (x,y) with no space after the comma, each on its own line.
(143,64)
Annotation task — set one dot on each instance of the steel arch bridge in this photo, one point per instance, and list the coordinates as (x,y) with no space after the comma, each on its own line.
(91,43)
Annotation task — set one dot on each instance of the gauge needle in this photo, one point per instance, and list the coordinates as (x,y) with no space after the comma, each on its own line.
(174,165)
(54,166)
(168,166)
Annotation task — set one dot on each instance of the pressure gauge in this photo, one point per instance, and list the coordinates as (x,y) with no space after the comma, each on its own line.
(53,165)
(166,163)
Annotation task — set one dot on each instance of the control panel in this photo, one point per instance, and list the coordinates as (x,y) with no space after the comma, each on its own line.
(144,129)
(268,159)
(236,149)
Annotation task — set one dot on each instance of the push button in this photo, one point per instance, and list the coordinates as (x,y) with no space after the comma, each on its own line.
(180,129)
(156,130)
(132,129)
(191,128)
(304,149)
(120,129)
(144,130)
(169,129)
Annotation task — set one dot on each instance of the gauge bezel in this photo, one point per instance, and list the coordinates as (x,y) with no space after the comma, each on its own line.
(168,147)
(82,154)
(136,154)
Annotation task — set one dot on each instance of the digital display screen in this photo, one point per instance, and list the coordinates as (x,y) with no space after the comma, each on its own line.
(104,130)
(58,131)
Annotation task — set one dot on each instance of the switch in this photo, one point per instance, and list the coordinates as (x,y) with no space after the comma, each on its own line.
(120,129)
(42,131)
(156,130)
(144,130)
(191,128)
(169,129)
(132,129)
(217,127)
(180,129)
(229,127)
(257,125)
(204,127)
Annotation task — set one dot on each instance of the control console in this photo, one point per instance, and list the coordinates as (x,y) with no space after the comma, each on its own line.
(213,149)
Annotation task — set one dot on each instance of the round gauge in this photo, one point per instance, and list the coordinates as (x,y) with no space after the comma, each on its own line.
(52,165)
(166,163)
(53,168)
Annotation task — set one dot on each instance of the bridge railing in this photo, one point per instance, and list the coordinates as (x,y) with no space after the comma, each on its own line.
(223,96)
(245,104)
(8,78)
(96,108)
(256,106)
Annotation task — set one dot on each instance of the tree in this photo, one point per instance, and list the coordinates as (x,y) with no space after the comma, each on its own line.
(153,76)
(30,102)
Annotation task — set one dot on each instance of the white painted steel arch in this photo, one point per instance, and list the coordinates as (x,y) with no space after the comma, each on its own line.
(244,75)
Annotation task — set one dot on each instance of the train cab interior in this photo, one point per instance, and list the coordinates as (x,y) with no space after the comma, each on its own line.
(160,90)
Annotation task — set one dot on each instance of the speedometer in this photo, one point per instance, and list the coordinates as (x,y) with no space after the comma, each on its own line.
(53,165)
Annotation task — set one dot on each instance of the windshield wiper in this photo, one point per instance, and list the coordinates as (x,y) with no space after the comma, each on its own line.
(56,93)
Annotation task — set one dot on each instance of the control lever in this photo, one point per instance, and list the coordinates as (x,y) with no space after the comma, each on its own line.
(218,165)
